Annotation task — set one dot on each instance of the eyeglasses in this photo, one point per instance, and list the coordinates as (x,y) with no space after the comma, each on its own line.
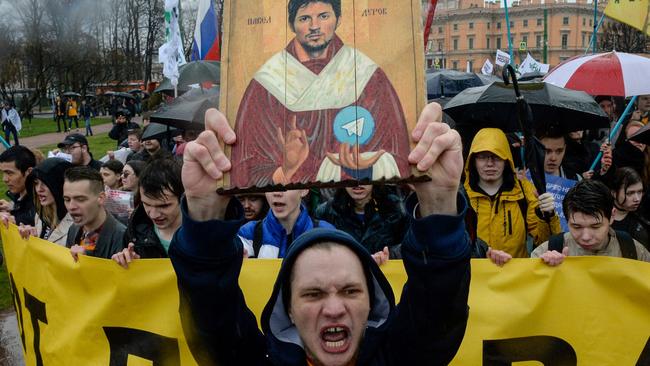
(485,156)
(71,147)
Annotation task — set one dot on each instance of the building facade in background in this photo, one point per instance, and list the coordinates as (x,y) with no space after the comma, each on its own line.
(467,32)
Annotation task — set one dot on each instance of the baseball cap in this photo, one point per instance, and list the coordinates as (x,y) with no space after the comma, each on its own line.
(72,139)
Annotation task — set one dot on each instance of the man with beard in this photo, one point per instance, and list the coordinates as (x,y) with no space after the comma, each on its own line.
(318,110)
(95,231)
(255,206)
(76,145)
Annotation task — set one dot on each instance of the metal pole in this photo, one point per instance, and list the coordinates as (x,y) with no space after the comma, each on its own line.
(594,36)
(509,38)
(612,133)
(545,35)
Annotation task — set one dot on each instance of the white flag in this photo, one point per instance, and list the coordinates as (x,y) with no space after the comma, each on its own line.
(487,68)
(530,65)
(171,52)
(503,58)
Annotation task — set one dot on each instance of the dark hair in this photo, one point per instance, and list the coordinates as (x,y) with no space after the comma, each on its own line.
(294,5)
(21,156)
(137,166)
(135,131)
(80,173)
(160,175)
(624,178)
(589,197)
(113,165)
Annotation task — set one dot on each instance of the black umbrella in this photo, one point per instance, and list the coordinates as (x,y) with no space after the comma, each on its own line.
(449,82)
(90,96)
(71,94)
(109,93)
(197,72)
(642,135)
(495,105)
(157,131)
(188,111)
(124,95)
(135,91)
(532,76)
(166,87)
(488,79)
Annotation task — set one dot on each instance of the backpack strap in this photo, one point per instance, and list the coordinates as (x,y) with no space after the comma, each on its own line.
(258,233)
(314,223)
(556,242)
(626,243)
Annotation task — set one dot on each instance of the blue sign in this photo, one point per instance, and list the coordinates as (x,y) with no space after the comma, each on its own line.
(354,125)
(558,187)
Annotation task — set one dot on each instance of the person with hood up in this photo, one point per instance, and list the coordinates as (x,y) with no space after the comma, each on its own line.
(507,208)
(331,305)
(52,220)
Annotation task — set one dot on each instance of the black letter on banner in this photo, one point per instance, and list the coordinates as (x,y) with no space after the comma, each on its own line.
(37,310)
(550,351)
(644,359)
(162,351)
(18,308)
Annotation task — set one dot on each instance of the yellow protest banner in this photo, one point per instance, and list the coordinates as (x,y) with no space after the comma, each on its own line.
(588,311)
(634,13)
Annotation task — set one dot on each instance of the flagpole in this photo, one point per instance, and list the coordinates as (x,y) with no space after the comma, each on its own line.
(593,37)
(509,37)
(612,133)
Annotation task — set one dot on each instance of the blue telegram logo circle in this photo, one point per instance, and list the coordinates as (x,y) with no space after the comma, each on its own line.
(354,125)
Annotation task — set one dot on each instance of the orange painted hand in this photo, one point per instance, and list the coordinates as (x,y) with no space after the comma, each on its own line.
(296,150)
(349,157)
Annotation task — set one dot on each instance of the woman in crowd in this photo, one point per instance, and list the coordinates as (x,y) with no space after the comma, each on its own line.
(52,220)
(130,175)
(627,190)
(111,173)
(371,214)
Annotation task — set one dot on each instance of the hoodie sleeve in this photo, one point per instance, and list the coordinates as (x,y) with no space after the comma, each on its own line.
(219,327)
(432,314)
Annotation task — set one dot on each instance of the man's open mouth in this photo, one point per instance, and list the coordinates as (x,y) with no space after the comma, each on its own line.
(335,339)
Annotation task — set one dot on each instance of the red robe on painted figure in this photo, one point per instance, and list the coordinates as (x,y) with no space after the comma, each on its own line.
(268,104)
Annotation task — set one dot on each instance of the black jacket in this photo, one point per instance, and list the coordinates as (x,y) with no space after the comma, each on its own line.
(24,209)
(140,232)
(110,238)
(120,131)
(384,224)
(426,328)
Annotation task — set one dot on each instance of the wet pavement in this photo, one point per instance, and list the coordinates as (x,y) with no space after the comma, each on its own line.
(11,352)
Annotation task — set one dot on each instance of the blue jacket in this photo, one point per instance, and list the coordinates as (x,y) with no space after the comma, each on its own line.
(275,240)
(426,328)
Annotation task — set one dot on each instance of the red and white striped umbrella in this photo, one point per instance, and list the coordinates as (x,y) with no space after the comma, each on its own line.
(611,73)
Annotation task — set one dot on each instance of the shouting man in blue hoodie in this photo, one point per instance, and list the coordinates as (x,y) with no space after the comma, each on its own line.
(331,305)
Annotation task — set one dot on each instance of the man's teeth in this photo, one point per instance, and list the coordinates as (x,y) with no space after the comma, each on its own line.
(334,344)
(334,330)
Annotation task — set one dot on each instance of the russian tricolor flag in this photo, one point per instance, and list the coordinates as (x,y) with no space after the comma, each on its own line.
(206,34)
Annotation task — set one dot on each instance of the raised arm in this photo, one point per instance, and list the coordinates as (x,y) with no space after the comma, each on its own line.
(207,258)
(432,314)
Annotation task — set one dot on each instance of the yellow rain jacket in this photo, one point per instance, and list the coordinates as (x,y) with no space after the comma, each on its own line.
(500,222)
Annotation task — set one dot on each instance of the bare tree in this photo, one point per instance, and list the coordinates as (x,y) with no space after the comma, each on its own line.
(621,37)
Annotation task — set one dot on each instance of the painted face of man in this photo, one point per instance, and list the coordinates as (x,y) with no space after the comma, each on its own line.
(315,25)
(330,303)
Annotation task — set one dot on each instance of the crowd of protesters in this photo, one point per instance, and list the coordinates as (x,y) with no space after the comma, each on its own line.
(607,211)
